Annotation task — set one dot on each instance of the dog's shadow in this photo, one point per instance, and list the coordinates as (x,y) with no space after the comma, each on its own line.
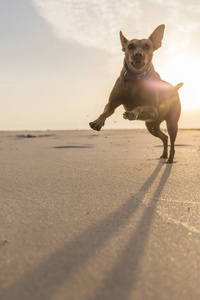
(42,281)
(126,268)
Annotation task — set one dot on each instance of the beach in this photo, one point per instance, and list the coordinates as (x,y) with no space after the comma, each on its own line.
(97,215)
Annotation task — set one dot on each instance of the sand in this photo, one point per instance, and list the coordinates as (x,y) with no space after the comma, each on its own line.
(86,215)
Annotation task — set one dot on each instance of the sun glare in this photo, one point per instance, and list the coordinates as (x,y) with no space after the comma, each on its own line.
(183,69)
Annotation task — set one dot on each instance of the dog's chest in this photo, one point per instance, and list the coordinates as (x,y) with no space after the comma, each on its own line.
(135,95)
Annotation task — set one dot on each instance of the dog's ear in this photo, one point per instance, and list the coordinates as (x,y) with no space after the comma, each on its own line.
(123,40)
(157,36)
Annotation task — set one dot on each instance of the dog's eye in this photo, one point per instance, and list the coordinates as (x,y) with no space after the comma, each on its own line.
(131,47)
(147,47)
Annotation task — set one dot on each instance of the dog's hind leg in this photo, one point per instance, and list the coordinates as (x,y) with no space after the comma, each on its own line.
(154,129)
(172,129)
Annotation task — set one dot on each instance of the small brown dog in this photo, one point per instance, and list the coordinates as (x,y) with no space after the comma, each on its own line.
(144,95)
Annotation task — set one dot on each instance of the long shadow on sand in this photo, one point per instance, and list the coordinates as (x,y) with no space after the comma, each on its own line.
(45,279)
(124,272)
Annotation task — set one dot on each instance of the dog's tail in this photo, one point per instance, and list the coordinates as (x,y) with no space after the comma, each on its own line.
(178,86)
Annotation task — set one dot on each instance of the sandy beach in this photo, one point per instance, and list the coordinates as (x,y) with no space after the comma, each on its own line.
(87,215)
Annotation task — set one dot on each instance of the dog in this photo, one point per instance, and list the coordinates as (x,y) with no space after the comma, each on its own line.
(142,92)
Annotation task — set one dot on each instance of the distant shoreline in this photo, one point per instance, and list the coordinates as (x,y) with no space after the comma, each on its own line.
(103,130)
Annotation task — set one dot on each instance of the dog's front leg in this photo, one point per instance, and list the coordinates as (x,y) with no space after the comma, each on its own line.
(100,121)
(108,111)
(114,101)
(141,113)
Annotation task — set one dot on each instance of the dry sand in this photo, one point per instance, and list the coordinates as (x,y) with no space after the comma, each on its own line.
(86,215)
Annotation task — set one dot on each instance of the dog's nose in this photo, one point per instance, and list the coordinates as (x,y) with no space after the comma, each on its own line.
(138,54)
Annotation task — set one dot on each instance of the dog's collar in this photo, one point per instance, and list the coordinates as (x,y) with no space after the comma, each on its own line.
(126,76)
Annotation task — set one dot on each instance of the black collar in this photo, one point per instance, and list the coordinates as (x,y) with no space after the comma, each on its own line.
(126,77)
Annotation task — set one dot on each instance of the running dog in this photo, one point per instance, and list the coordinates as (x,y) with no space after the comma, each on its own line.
(144,95)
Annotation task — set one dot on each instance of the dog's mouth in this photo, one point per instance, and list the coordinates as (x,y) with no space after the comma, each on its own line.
(138,64)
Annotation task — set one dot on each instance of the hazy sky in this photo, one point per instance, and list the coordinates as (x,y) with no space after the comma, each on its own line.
(60,58)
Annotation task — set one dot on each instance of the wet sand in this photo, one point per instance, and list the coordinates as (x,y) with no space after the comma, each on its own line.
(86,215)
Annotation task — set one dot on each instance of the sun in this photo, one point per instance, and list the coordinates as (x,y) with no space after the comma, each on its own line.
(184,69)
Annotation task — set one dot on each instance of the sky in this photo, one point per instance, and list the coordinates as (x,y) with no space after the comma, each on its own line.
(60,58)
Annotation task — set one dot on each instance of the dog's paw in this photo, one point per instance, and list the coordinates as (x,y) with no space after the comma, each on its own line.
(164,156)
(129,115)
(170,161)
(96,125)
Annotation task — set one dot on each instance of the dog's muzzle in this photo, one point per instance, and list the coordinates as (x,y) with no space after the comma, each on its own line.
(138,60)
(138,55)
